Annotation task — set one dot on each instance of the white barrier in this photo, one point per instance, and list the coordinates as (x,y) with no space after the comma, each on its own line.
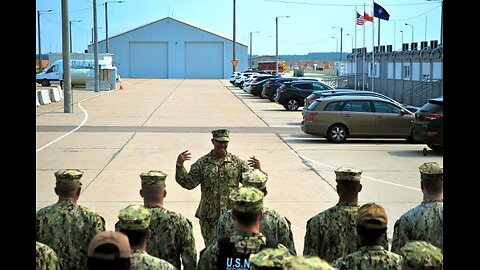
(44,97)
(36,96)
(54,94)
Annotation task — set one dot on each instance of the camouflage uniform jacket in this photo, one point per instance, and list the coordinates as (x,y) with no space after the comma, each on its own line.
(67,228)
(246,243)
(172,238)
(141,260)
(369,258)
(422,223)
(273,225)
(217,180)
(332,234)
(46,258)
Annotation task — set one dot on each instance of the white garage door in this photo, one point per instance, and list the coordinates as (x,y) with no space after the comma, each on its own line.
(148,60)
(204,60)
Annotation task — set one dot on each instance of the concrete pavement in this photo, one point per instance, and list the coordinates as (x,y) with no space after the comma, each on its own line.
(145,126)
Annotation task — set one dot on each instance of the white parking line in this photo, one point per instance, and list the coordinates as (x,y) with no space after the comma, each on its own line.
(75,129)
(294,151)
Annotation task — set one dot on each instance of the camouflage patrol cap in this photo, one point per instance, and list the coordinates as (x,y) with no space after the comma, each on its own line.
(68,176)
(221,135)
(255,178)
(270,257)
(306,263)
(134,217)
(246,199)
(431,171)
(117,239)
(372,216)
(153,177)
(347,174)
(420,255)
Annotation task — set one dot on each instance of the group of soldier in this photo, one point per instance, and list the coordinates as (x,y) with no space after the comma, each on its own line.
(239,232)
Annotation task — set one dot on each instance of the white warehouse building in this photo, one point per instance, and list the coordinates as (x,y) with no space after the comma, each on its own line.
(169,48)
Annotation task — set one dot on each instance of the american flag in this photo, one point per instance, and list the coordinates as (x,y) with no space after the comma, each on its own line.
(360,19)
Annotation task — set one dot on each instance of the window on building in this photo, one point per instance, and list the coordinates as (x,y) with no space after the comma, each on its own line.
(406,72)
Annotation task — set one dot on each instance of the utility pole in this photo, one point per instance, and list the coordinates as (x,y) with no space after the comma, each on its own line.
(250,60)
(67,79)
(234,40)
(95,46)
(39,41)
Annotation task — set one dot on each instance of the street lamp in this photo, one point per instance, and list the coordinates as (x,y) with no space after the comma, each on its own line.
(106,22)
(402,38)
(250,61)
(336,45)
(276,42)
(39,42)
(341,38)
(70,25)
(441,23)
(412,29)
(91,41)
(352,40)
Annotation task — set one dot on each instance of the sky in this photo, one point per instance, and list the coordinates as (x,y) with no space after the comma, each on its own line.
(312,25)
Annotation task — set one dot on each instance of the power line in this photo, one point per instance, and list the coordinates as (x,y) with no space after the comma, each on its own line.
(340,5)
(416,15)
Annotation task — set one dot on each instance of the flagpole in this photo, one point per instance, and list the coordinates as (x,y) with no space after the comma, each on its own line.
(353,49)
(363,52)
(373,51)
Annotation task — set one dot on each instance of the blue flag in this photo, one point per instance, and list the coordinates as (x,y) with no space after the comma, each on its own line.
(380,12)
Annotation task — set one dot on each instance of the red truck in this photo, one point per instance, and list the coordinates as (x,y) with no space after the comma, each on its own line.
(270,66)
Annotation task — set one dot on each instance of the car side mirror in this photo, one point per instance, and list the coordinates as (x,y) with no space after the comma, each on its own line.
(403,111)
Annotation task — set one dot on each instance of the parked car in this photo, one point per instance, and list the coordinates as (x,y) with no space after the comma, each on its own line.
(291,94)
(319,94)
(256,86)
(341,117)
(428,125)
(270,87)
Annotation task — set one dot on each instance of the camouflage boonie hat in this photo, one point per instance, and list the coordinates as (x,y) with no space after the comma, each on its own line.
(372,216)
(431,171)
(68,176)
(153,177)
(347,174)
(420,255)
(246,199)
(306,263)
(255,178)
(134,217)
(221,135)
(270,257)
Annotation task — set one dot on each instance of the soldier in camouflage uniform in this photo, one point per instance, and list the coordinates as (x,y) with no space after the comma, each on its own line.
(273,225)
(331,234)
(420,255)
(234,252)
(424,222)
(306,263)
(46,258)
(217,173)
(269,258)
(134,221)
(109,250)
(172,234)
(371,226)
(65,226)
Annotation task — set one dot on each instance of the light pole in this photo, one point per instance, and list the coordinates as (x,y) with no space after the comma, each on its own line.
(341,39)
(91,41)
(336,45)
(234,61)
(276,42)
(412,29)
(70,25)
(441,23)
(39,41)
(250,60)
(106,22)
(352,40)
(402,39)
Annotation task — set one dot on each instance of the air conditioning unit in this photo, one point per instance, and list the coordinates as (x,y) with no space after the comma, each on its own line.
(423,45)
(382,48)
(414,46)
(405,47)
(375,48)
(389,48)
(433,44)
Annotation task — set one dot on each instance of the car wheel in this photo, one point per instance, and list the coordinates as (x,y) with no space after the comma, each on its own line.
(436,148)
(337,133)
(45,82)
(292,104)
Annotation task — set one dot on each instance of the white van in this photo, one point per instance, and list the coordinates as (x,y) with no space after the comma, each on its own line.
(80,72)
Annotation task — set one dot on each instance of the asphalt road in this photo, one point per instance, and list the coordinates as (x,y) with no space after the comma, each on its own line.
(114,136)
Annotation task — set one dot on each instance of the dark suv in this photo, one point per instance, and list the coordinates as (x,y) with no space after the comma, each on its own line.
(428,127)
(270,87)
(292,94)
